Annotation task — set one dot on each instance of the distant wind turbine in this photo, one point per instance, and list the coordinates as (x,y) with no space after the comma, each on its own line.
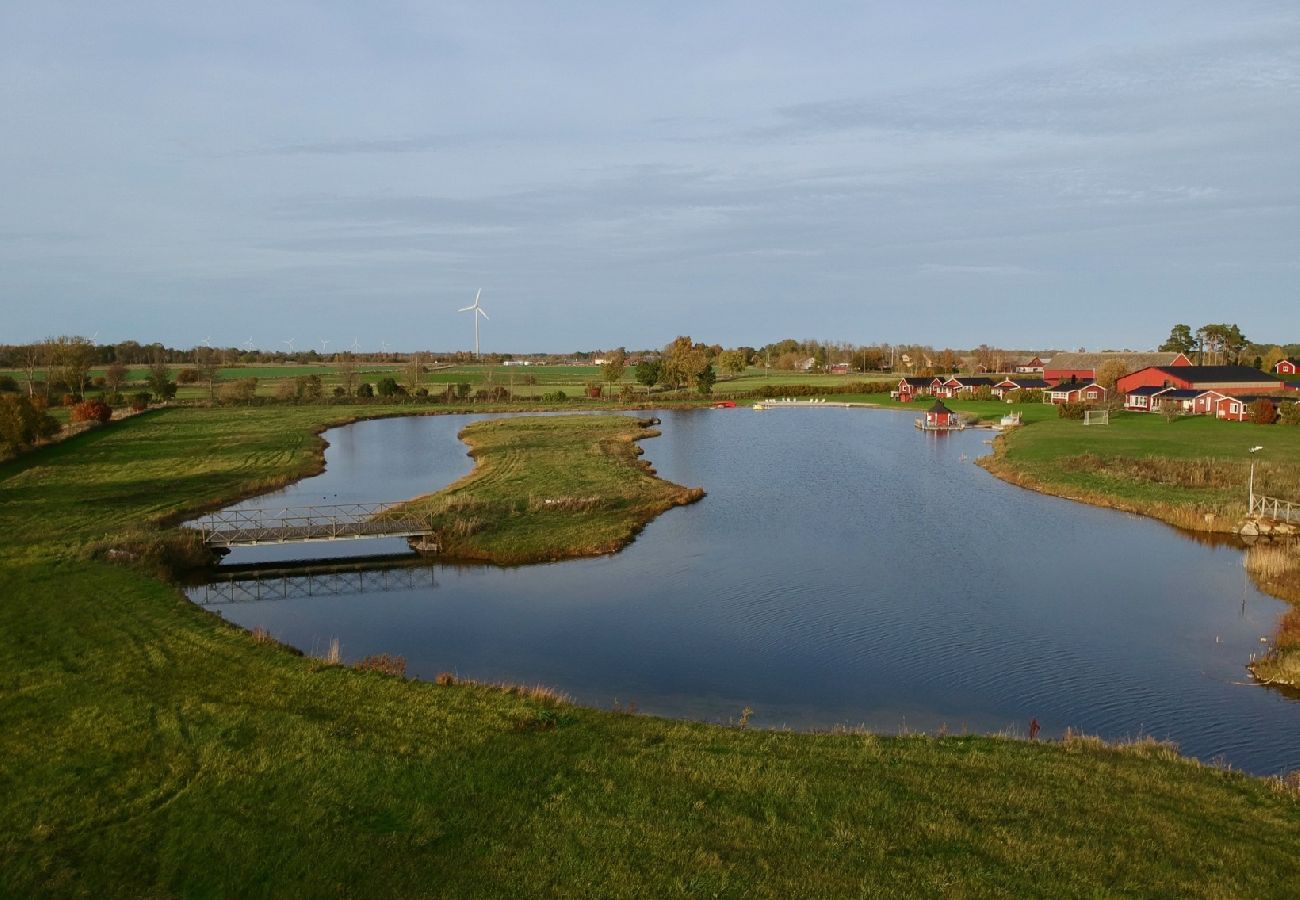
(354,346)
(323,342)
(248,344)
(289,344)
(478,311)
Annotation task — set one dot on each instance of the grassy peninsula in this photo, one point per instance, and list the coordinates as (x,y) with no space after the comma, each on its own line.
(546,488)
(149,748)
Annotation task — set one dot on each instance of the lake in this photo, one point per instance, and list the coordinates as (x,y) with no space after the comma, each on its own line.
(844,569)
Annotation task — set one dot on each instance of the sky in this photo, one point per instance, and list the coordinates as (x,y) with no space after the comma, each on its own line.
(1022,174)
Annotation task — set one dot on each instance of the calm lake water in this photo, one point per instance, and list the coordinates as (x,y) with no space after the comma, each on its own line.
(843,569)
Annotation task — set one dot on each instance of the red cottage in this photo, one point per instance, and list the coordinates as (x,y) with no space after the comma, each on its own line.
(1075,392)
(1288,366)
(940,418)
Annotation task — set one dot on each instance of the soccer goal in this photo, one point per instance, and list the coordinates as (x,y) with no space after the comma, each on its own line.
(1096,417)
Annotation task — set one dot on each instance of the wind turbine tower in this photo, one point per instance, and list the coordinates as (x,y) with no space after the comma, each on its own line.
(477,311)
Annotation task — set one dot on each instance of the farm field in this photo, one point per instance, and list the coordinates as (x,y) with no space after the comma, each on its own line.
(181,755)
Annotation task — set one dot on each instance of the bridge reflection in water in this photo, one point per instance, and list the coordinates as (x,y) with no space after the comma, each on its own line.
(280,584)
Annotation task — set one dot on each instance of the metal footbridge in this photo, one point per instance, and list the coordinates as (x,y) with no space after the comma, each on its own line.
(302,524)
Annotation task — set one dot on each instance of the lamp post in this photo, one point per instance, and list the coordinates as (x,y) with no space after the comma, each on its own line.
(1250,502)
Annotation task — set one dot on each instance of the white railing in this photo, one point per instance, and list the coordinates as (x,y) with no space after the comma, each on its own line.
(1273,508)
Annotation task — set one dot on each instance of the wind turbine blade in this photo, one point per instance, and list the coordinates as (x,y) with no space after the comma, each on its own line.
(481,313)
(466,308)
(477,294)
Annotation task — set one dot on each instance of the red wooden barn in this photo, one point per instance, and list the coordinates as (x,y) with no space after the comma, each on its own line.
(1228,380)
(1083,366)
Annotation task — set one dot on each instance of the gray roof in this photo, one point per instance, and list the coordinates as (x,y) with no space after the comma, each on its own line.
(1092,361)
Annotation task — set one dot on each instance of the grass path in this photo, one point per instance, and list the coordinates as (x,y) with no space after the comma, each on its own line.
(149,749)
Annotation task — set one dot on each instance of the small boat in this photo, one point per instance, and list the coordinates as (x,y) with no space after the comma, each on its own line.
(759,406)
(725,404)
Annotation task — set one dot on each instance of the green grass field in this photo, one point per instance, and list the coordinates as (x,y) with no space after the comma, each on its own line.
(147,748)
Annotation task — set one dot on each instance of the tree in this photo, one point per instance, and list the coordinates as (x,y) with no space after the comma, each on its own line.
(72,357)
(705,379)
(1290,414)
(683,362)
(115,376)
(387,387)
(209,363)
(160,380)
(23,421)
(1263,412)
(1272,357)
(33,358)
(615,366)
(1111,371)
(732,362)
(647,372)
(1180,340)
(412,372)
(348,373)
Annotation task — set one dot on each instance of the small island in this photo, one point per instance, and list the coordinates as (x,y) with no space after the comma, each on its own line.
(550,487)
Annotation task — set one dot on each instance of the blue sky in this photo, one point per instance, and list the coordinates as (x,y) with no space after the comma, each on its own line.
(1021,174)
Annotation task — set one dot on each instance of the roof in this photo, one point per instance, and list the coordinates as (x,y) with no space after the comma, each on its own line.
(972,380)
(1180,393)
(919,382)
(1146,390)
(1092,361)
(1073,386)
(939,407)
(1219,374)
(1025,382)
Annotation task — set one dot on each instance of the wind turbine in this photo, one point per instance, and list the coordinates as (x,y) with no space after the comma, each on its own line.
(323,342)
(289,344)
(207,342)
(354,346)
(478,311)
(248,344)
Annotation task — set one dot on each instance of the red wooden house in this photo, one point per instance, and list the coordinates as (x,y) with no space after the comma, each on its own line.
(1288,366)
(1075,392)
(1008,385)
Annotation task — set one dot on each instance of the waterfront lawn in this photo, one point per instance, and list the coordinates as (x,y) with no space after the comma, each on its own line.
(547,488)
(1180,471)
(147,748)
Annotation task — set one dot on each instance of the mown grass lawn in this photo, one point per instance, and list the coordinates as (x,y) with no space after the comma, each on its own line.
(149,749)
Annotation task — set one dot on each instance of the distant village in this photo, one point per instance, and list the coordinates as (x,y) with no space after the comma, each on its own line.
(1162,382)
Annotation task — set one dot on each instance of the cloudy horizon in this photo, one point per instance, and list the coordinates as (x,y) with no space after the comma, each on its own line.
(964,174)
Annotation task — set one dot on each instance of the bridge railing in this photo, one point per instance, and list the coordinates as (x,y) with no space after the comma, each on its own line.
(320,522)
(1273,508)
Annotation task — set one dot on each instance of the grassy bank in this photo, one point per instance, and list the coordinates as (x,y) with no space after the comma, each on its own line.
(148,748)
(1192,472)
(551,488)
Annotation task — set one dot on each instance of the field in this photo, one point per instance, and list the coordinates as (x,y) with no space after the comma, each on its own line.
(551,488)
(1180,471)
(148,748)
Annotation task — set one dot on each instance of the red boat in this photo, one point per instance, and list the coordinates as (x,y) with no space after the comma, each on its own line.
(725,404)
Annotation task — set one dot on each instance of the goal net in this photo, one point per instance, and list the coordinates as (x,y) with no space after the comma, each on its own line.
(1096,417)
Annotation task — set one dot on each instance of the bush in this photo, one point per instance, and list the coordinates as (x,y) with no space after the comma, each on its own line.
(383,664)
(23,421)
(1027,395)
(366,390)
(594,390)
(92,411)
(1072,410)
(140,400)
(241,391)
(8,384)
(1290,414)
(70,400)
(387,387)
(554,397)
(422,393)
(1263,412)
(187,376)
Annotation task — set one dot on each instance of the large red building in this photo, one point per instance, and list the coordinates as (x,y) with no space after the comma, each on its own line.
(1083,367)
(1227,380)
